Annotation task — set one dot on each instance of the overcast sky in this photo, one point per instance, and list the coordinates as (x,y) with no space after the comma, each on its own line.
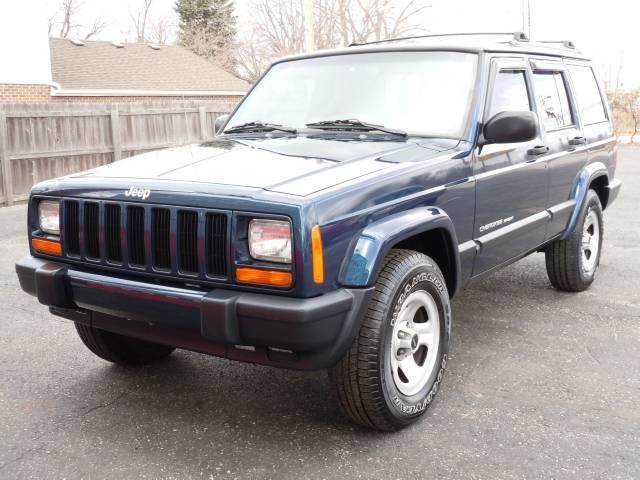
(607,30)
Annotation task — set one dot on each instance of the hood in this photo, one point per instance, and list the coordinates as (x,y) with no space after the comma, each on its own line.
(291,165)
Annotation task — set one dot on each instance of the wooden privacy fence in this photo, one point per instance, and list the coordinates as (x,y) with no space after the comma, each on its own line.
(42,141)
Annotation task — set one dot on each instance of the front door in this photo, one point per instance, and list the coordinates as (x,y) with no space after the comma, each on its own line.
(511,180)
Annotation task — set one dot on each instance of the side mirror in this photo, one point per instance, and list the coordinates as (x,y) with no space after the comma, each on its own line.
(510,127)
(219,124)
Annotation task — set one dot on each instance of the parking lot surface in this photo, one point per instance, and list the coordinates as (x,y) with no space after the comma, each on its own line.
(541,384)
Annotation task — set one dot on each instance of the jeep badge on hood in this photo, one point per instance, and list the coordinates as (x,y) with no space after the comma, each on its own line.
(142,193)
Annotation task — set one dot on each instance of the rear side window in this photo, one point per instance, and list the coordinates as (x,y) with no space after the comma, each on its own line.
(553,99)
(509,93)
(588,95)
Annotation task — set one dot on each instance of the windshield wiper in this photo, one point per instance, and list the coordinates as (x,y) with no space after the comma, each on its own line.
(354,125)
(259,127)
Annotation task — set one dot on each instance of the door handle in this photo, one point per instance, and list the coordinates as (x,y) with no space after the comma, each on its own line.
(574,142)
(538,150)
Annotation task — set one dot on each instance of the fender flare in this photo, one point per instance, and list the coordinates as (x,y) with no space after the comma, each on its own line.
(362,266)
(579,192)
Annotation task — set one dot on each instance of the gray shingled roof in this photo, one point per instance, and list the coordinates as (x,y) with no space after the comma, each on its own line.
(136,66)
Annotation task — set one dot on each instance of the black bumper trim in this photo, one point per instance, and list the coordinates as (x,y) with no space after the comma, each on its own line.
(613,190)
(316,331)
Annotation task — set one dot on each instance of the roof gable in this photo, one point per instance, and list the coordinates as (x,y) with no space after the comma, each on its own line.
(136,66)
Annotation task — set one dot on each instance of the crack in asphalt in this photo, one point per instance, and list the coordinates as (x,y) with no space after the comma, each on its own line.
(103,405)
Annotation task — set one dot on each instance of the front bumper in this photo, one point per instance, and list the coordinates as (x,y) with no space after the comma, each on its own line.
(300,333)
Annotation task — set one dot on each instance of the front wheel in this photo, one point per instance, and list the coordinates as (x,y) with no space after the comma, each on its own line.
(395,365)
(121,349)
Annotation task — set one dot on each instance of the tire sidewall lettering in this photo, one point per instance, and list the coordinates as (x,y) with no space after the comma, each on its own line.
(432,283)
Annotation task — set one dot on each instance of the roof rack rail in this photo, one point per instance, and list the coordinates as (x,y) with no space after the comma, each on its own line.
(517,36)
(565,43)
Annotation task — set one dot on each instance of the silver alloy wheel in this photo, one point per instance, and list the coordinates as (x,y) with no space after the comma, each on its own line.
(590,245)
(415,342)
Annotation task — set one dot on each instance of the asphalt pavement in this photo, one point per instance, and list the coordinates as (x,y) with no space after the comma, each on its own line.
(540,384)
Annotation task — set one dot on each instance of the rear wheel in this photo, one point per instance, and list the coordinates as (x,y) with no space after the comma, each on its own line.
(572,263)
(395,365)
(119,348)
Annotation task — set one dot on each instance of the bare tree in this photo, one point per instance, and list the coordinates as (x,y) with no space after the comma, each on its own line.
(278,27)
(348,21)
(626,109)
(160,31)
(69,9)
(251,58)
(97,26)
(139,20)
(65,17)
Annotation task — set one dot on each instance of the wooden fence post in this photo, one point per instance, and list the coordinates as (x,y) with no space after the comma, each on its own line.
(116,136)
(203,123)
(5,161)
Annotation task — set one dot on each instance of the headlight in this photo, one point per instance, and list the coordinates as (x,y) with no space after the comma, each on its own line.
(49,217)
(270,240)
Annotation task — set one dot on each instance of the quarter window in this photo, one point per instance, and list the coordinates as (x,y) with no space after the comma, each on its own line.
(509,93)
(551,93)
(588,95)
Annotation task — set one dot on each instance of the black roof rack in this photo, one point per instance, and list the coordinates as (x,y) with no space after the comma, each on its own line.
(517,36)
(565,43)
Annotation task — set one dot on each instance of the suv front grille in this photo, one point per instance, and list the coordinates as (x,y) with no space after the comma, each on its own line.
(170,241)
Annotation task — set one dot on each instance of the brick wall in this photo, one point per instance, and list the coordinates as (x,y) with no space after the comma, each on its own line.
(226,98)
(41,93)
(24,93)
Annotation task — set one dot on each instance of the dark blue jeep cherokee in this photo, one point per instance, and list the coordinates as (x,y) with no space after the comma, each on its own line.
(351,194)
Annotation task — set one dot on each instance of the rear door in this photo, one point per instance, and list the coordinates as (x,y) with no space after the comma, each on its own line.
(511,181)
(562,134)
(595,117)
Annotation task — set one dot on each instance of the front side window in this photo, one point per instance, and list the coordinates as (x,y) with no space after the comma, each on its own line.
(421,93)
(588,95)
(509,93)
(552,97)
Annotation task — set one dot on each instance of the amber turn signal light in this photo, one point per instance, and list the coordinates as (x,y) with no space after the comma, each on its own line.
(271,278)
(317,254)
(48,247)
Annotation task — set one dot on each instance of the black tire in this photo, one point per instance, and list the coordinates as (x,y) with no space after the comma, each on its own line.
(363,380)
(566,264)
(121,349)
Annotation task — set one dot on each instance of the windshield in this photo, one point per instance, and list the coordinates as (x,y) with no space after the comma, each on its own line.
(422,93)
